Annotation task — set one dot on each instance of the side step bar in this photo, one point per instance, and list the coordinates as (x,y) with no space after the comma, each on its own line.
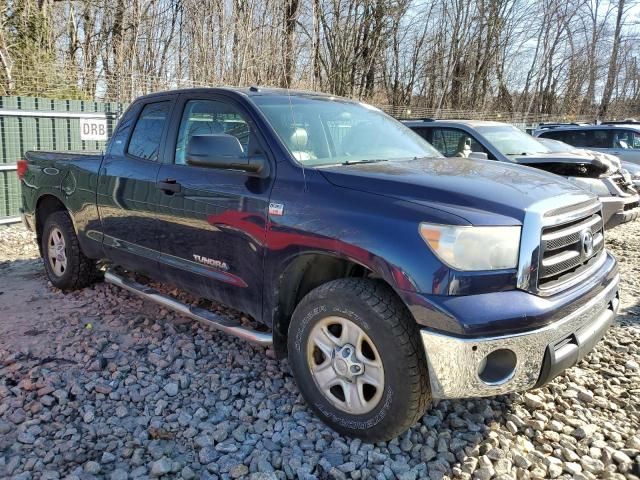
(200,314)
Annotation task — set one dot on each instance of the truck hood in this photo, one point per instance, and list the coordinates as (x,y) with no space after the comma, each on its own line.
(481,192)
(569,164)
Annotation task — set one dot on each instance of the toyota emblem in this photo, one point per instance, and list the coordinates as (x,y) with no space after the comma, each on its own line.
(586,239)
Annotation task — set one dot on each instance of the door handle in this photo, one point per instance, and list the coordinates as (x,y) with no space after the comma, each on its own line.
(169,186)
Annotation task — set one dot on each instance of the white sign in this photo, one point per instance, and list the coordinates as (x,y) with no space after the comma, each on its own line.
(93,129)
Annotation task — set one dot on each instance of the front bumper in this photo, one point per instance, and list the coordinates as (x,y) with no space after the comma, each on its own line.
(619,210)
(455,362)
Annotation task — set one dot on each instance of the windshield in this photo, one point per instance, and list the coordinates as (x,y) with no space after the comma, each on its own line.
(511,141)
(327,131)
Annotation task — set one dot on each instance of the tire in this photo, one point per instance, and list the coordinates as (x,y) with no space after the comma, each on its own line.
(374,405)
(66,266)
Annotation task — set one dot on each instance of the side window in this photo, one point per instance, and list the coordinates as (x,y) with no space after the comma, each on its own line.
(147,134)
(119,139)
(598,139)
(424,133)
(438,142)
(455,143)
(577,138)
(208,117)
(626,139)
(562,136)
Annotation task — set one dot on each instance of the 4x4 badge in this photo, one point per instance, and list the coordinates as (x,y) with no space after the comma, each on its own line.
(276,209)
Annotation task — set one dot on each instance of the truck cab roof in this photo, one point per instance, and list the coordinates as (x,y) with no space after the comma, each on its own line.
(252,91)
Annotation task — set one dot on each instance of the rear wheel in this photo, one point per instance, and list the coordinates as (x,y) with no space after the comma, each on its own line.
(356,355)
(66,266)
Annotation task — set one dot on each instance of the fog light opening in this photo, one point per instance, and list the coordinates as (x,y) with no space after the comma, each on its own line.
(498,367)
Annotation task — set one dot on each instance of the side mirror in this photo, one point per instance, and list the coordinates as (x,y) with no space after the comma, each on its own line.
(478,156)
(224,152)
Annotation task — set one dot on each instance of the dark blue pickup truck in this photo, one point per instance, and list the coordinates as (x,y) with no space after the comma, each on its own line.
(387,275)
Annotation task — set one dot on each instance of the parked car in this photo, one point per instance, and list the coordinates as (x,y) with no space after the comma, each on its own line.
(506,143)
(629,172)
(621,139)
(388,276)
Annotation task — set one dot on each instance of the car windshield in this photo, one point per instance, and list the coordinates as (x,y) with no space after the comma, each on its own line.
(320,130)
(511,141)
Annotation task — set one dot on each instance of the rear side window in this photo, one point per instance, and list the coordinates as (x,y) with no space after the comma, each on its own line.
(565,136)
(582,138)
(119,140)
(147,134)
(598,139)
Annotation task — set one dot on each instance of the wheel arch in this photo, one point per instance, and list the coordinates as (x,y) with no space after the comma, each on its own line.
(45,206)
(303,274)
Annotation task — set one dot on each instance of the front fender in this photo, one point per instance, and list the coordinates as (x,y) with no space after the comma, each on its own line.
(378,233)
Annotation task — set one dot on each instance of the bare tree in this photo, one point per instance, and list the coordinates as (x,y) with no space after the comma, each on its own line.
(613,64)
(517,56)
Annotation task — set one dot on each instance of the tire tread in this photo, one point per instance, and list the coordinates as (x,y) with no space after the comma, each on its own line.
(381,298)
(83,269)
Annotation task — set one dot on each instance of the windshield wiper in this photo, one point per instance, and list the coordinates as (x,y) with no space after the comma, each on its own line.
(355,162)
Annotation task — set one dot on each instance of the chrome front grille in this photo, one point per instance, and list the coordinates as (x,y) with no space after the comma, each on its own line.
(570,244)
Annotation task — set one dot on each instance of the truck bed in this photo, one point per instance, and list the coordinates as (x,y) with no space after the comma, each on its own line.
(70,177)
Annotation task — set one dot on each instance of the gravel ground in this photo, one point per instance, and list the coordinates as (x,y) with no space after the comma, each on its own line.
(99,384)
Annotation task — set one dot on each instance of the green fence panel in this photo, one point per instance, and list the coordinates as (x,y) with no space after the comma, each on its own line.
(74,126)
(28,127)
(32,131)
(60,135)
(11,131)
(10,194)
(4,198)
(13,194)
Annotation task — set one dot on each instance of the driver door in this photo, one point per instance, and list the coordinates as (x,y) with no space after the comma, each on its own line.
(212,222)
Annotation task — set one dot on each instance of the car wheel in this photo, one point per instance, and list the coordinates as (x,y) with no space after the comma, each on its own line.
(66,266)
(357,357)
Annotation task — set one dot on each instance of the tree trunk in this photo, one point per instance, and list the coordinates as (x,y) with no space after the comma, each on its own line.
(613,65)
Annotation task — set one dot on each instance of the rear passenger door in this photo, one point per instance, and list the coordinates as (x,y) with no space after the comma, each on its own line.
(127,193)
(213,223)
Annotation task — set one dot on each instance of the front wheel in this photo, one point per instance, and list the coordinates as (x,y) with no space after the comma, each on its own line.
(358,360)
(67,267)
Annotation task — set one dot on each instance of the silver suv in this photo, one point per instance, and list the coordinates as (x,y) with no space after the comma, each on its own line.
(621,139)
(506,143)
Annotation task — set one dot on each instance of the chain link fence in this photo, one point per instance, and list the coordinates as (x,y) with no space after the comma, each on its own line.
(77,84)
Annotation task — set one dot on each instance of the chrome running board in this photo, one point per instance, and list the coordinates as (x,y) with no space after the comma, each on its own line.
(209,318)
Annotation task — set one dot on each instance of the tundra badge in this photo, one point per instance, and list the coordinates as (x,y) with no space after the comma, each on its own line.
(220,265)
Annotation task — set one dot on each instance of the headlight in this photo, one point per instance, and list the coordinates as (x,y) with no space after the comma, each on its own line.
(471,248)
(594,185)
